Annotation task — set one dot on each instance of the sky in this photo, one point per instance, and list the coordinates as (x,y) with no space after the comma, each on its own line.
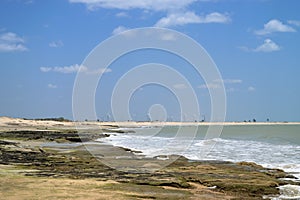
(254,43)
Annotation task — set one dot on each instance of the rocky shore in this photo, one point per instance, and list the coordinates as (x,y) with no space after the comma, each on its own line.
(29,169)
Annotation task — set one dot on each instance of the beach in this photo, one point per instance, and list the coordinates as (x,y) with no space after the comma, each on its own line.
(32,169)
(8,121)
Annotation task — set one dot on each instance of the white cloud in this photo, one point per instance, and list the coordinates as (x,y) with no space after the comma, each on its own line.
(274,25)
(216,84)
(52,86)
(267,46)
(216,17)
(180,86)
(176,19)
(11,37)
(210,86)
(56,44)
(156,5)
(10,42)
(294,22)
(122,14)
(98,71)
(45,69)
(12,47)
(251,88)
(231,81)
(175,9)
(70,69)
(74,69)
(119,29)
(66,69)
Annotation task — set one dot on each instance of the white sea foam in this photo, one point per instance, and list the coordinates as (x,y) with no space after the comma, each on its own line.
(288,192)
(266,151)
(286,157)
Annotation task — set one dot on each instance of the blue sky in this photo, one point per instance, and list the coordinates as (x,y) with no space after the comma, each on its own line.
(254,43)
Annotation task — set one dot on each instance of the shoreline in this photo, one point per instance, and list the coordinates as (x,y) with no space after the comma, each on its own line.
(186,179)
(24,156)
(8,121)
(159,124)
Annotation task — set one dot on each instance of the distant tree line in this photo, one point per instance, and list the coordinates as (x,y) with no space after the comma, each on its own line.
(58,119)
(254,120)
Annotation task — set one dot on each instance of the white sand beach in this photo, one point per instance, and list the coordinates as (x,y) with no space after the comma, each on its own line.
(8,121)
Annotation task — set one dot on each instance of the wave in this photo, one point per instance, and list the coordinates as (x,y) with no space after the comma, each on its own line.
(289,192)
(216,149)
(271,151)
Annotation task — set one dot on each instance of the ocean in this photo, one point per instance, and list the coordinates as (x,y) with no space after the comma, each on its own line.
(270,145)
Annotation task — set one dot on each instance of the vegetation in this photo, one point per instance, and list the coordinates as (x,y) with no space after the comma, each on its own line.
(58,119)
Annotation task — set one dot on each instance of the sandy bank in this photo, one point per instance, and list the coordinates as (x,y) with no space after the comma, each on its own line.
(10,123)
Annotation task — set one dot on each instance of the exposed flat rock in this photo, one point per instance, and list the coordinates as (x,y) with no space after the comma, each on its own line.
(182,179)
